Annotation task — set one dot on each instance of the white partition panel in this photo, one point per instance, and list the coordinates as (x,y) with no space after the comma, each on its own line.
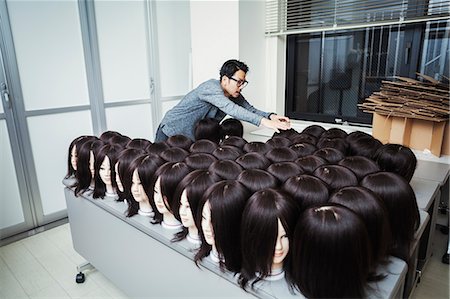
(11,211)
(50,138)
(174,46)
(48,45)
(134,121)
(123,42)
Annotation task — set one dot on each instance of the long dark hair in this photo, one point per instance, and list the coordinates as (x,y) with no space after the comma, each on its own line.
(259,231)
(303,148)
(199,160)
(257,146)
(236,141)
(307,190)
(195,185)
(314,130)
(231,127)
(284,170)
(363,146)
(75,143)
(401,204)
(174,154)
(257,179)
(330,253)
(203,146)
(110,151)
(170,174)
(278,141)
(124,160)
(207,128)
(138,143)
(336,176)
(310,163)
(146,165)
(180,141)
(396,158)
(336,143)
(227,200)
(361,166)
(330,154)
(83,175)
(226,153)
(253,161)
(281,154)
(226,169)
(373,212)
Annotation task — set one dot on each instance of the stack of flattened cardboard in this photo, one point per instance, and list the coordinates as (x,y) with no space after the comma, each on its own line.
(412,113)
(411,98)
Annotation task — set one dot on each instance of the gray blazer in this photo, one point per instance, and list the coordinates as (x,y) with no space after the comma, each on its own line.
(207,101)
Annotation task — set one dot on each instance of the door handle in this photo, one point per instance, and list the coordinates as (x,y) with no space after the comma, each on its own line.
(6,99)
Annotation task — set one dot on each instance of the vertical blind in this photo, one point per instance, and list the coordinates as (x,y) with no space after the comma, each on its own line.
(300,16)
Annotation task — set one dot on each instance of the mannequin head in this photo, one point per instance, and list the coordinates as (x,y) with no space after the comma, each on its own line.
(303,149)
(310,163)
(223,202)
(226,169)
(236,141)
(284,170)
(336,176)
(179,141)
(231,127)
(334,133)
(253,161)
(105,159)
(164,183)
(199,160)
(337,143)
(276,142)
(257,179)
(264,250)
(373,212)
(226,153)
(401,204)
(361,166)
(307,190)
(138,143)
(314,130)
(289,134)
(203,146)
(365,146)
(141,170)
(85,164)
(186,198)
(281,154)
(331,155)
(207,128)
(303,137)
(257,147)
(107,136)
(396,158)
(157,148)
(121,140)
(73,154)
(330,253)
(123,175)
(174,154)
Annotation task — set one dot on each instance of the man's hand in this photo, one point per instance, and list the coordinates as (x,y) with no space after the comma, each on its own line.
(280,118)
(276,124)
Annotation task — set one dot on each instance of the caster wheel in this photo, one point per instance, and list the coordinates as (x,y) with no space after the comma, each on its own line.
(80,278)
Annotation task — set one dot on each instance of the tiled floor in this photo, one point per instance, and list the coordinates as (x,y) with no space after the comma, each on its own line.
(44,266)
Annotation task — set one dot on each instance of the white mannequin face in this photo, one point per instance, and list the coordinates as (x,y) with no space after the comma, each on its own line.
(281,247)
(73,157)
(185,211)
(91,163)
(118,181)
(105,171)
(137,190)
(158,198)
(207,225)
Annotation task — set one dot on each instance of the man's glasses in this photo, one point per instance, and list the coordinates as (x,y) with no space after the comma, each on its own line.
(240,83)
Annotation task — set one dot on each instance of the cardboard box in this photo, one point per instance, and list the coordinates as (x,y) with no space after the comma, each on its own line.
(415,133)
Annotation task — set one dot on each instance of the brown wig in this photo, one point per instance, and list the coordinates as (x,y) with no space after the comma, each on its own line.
(307,190)
(253,161)
(330,253)
(361,166)
(226,169)
(227,200)
(310,163)
(203,146)
(207,128)
(111,152)
(257,179)
(336,176)
(180,141)
(199,160)
(281,154)
(396,158)
(401,204)
(284,170)
(259,232)
(72,159)
(124,160)
(84,174)
(373,212)
(257,147)
(195,185)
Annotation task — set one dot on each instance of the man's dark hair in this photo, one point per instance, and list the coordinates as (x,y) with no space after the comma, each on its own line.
(232,66)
